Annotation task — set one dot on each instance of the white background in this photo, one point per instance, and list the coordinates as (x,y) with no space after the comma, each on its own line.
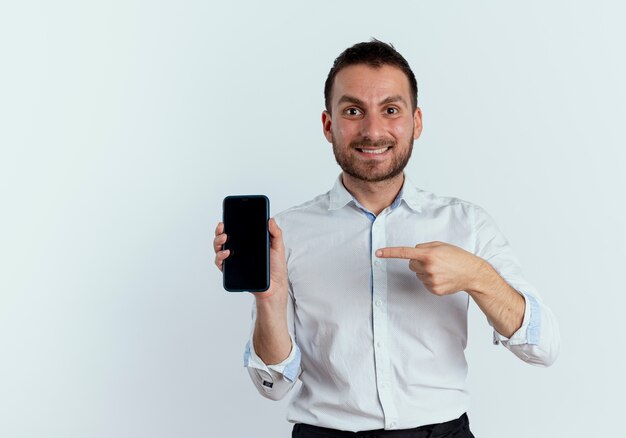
(123,124)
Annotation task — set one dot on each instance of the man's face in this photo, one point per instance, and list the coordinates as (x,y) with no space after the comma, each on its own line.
(372,126)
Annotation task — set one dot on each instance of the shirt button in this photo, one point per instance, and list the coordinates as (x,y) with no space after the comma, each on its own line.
(377,262)
(379,303)
(379,344)
(392,424)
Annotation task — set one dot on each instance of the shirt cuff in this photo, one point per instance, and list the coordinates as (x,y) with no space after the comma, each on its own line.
(530,330)
(288,368)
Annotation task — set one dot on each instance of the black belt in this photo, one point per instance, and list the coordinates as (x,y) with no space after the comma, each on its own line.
(457,427)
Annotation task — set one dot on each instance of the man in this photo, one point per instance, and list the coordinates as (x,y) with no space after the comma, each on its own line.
(370,282)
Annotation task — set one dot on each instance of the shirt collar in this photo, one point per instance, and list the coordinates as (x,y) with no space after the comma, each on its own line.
(413,196)
(339,195)
(410,194)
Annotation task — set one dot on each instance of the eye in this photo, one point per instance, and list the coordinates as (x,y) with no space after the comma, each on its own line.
(391,110)
(352,111)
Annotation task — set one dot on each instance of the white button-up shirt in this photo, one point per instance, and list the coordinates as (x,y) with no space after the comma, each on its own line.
(371,345)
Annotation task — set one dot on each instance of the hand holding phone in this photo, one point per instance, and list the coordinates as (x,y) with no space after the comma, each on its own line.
(279,283)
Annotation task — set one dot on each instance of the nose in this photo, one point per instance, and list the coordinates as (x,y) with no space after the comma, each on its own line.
(372,126)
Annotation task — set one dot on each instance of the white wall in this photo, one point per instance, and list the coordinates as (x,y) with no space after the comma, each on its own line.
(124,124)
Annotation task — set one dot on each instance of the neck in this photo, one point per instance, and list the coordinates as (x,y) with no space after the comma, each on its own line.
(375,196)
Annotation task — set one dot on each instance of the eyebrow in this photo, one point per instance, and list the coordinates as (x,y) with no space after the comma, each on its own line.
(357,101)
(395,98)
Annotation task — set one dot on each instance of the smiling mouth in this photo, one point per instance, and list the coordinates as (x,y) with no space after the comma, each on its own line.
(374,151)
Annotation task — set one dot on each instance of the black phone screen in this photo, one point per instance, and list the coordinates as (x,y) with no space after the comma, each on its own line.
(245,224)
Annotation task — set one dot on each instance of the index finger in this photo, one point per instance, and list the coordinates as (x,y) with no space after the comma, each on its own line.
(399,252)
(220,228)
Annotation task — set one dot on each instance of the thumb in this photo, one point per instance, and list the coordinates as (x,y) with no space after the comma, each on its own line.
(276,235)
(427,245)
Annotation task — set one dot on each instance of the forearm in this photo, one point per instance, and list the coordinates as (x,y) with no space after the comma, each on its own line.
(272,356)
(502,304)
(271,339)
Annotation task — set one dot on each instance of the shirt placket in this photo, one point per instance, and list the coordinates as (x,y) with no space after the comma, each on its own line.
(380,324)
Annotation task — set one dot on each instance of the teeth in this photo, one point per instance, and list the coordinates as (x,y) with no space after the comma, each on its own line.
(374,151)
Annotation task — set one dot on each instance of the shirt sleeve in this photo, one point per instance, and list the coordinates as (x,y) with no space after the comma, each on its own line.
(274,381)
(537,340)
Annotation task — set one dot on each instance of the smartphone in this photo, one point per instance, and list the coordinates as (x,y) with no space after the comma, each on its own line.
(247,268)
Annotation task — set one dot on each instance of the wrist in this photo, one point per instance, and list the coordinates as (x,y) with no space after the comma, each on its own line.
(483,279)
(272,301)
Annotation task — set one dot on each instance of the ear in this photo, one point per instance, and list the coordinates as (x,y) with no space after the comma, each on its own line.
(417,123)
(327,124)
